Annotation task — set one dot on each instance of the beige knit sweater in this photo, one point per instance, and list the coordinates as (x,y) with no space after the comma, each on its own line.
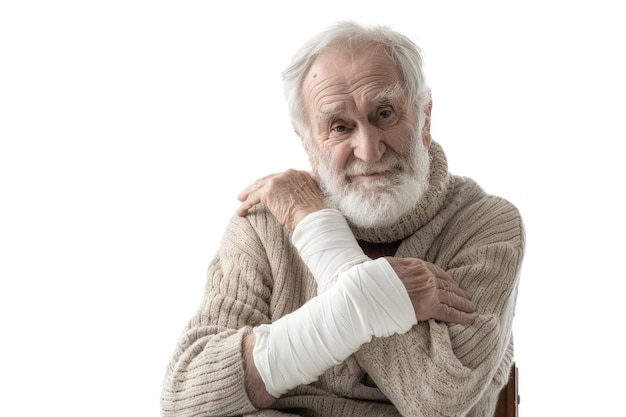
(435,369)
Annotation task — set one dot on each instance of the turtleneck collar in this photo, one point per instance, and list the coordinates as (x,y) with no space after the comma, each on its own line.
(426,208)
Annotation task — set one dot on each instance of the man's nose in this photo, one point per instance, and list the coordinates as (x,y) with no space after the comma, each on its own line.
(368,145)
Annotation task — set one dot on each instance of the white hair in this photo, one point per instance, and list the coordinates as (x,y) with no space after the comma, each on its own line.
(400,49)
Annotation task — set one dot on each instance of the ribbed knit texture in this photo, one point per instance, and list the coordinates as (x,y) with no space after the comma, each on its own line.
(435,369)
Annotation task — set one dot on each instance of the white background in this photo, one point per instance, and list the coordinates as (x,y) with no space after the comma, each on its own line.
(128,128)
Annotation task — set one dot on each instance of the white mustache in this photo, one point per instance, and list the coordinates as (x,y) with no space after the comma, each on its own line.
(388,163)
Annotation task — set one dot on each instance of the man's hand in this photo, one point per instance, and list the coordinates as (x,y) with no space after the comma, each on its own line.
(289,195)
(433,292)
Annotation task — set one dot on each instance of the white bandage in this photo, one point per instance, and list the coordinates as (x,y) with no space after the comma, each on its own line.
(327,246)
(367,300)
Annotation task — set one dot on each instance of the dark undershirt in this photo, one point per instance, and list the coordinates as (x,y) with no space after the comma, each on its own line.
(377,250)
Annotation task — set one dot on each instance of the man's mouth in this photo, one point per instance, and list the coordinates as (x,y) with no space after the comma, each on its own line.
(370,177)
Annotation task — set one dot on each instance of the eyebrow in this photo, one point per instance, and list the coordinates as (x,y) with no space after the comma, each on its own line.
(324,116)
(391,95)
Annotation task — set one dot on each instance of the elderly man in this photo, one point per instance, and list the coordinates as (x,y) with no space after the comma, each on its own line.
(379,284)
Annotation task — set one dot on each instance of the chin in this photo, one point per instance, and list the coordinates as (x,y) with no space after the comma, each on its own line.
(378,203)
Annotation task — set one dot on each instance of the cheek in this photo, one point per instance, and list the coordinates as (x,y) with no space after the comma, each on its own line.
(399,140)
(336,155)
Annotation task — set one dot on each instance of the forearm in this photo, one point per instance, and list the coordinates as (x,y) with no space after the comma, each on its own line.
(369,300)
(327,246)
(297,348)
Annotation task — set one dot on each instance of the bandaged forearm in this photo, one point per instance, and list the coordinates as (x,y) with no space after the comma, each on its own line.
(367,300)
(327,246)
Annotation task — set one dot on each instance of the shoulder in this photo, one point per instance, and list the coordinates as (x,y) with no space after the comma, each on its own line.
(258,235)
(257,247)
(259,224)
(484,217)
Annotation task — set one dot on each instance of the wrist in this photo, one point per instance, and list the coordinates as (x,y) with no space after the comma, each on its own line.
(255,387)
(300,213)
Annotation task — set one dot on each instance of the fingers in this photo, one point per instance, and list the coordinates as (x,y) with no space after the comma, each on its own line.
(456,302)
(252,194)
(453,308)
(435,295)
(445,281)
(450,315)
(244,208)
(249,198)
(290,196)
(451,286)
(254,187)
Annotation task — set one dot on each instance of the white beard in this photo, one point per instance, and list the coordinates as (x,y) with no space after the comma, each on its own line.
(383,201)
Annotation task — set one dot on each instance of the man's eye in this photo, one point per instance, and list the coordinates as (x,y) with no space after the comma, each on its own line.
(384,114)
(339,128)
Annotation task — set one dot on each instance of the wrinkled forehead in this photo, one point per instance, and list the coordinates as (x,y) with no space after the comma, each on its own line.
(347,70)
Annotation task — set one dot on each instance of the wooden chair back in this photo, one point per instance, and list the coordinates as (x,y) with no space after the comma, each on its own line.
(508,401)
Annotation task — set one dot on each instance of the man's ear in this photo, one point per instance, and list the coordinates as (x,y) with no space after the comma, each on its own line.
(426,138)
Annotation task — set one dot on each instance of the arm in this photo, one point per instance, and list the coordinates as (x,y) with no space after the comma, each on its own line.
(446,369)
(206,373)
(213,370)
(215,365)
(327,246)
(369,300)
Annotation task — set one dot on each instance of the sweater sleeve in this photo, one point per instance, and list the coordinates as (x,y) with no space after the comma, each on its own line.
(439,369)
(205,375)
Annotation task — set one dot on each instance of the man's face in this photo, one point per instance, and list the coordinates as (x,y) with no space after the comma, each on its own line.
(365,145)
